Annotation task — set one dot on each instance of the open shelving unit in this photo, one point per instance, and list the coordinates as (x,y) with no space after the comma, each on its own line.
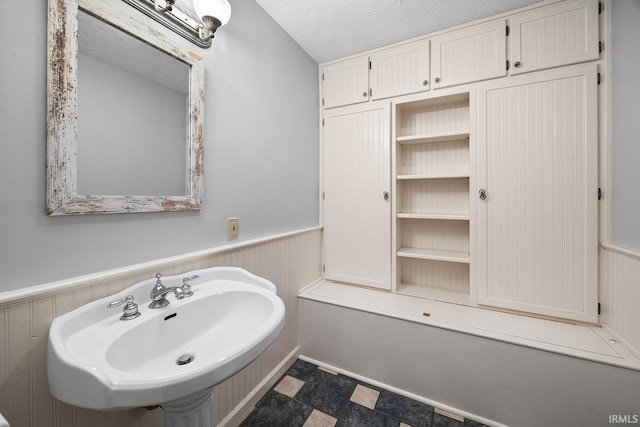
(432,171)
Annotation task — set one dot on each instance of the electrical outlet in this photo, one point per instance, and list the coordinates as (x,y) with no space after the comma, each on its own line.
(232,229)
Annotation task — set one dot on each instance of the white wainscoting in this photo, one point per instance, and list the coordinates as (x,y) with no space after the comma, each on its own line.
(620,294)
(290,261)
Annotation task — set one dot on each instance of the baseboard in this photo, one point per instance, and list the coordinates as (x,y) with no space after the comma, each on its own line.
(402,392)
(243,409)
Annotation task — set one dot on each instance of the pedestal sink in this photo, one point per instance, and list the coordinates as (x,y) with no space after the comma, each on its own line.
(171,356)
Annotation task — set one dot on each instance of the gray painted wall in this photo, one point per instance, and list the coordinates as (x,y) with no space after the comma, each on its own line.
(625,141)
(261,154)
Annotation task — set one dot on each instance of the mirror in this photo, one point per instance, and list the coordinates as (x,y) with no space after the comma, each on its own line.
(125,130)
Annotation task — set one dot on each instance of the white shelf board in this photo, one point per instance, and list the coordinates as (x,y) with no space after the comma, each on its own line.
(434,254)
(433,137)
(433,293)
(435,176)
(455,217)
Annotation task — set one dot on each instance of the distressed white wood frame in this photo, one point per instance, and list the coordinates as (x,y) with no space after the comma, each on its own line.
(62,125)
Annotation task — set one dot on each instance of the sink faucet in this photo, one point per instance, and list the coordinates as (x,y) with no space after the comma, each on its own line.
(130,310)
(159,292)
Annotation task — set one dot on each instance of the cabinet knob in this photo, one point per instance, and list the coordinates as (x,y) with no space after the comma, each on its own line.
(437,79)
(364,93)
(517,64)
(483,194)
(385,195)
(425,83)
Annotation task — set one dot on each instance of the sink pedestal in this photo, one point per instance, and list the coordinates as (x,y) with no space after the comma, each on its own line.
(191,411)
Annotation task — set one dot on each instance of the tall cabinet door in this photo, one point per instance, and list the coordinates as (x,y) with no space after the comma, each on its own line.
(357,204)
(537,214)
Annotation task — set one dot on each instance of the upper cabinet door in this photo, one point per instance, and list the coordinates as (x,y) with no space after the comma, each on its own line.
(555,36)
(400,70)
(469,55)
(346,82)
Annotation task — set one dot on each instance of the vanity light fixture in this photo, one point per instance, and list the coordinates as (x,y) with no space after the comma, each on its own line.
(213,13)
(195,20)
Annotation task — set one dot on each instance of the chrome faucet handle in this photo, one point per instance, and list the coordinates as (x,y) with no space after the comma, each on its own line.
(130,310)
(158,287)
(157,294)
(186,287)
(186,290)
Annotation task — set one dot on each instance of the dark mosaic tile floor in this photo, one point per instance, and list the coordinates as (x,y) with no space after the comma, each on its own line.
(309,396)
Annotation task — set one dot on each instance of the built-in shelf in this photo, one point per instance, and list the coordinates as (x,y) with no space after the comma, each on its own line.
(455,217)
(435,176)
(432,137)
(433,293)
(434,254)
(432,171)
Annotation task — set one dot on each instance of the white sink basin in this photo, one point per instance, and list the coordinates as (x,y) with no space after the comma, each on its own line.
(97,361)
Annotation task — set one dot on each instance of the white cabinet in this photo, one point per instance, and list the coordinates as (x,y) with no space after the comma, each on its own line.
(357,206)
(468,55)
(396,71)
(345,82)
(563,34)
(432,172)
(408,216)
(537,161)
(400,70)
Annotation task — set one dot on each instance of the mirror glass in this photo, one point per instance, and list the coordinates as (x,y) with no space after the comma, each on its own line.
(124,124)
(133,101)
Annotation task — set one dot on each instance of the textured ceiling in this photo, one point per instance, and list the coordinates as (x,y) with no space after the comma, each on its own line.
(332,29)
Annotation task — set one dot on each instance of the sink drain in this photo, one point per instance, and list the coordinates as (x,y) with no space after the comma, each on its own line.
(185,358)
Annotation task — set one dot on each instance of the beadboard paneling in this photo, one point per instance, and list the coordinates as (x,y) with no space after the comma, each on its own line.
(620,294)
(449,276)
(434,196)
(400,70)
(356,158)
(537,145)
(564,34)
(450,157)
(468,55)
(435,234)
(346,82)
(433,116)
(290,263)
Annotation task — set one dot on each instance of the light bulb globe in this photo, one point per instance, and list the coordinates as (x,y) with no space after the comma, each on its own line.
(220,9)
